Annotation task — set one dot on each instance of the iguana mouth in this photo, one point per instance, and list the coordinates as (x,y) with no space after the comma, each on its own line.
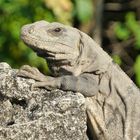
(43,54)
(50,57)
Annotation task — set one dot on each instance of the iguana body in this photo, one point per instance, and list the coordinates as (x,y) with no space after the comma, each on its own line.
(80,65)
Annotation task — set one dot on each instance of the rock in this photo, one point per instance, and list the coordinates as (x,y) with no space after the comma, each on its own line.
(38,114)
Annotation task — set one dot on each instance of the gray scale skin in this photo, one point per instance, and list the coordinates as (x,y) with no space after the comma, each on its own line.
(79,64)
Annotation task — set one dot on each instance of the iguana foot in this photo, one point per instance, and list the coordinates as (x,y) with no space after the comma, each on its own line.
(31,72)
(47,82)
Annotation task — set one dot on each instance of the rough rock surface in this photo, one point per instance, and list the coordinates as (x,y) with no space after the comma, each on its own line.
(38,114)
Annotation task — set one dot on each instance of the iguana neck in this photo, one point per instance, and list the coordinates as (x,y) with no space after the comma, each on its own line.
(92,58)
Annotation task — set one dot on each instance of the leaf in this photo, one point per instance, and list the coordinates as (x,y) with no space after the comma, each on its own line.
(84,10)
(131,22)
(121,31)
(137,43)
(134,27)
(117,59)
(137,69)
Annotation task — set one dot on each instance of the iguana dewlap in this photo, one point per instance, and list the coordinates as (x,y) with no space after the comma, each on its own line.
(80,65)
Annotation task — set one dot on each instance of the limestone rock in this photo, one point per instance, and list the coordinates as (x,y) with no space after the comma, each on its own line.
(38,114)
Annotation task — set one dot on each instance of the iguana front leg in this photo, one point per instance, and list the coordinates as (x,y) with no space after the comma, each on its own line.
(84,83)
(47,82)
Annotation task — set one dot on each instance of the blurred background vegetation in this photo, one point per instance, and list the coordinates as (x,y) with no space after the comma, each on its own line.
(115,24)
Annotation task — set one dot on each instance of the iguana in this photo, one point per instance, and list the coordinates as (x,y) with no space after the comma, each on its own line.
(80,65)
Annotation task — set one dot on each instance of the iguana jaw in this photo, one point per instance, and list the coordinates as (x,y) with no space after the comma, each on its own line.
(49,55)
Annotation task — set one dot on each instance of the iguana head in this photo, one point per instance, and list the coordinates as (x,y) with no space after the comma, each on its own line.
(57,43)
(66,49)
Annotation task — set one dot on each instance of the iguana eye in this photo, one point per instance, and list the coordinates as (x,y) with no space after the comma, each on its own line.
(57,30)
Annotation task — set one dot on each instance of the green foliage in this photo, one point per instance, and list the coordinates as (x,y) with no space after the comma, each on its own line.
(117,59)
(137,69)
(84,10)
(121,31)
(134,26)
(130,29)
